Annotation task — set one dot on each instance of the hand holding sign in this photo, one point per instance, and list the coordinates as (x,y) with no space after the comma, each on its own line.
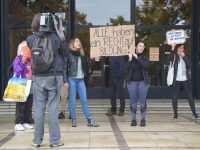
(131,51)
(173,46)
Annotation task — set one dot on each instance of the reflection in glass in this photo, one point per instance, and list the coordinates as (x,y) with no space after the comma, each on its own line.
(15,37)
(165,12)
(151,38)
(22,11)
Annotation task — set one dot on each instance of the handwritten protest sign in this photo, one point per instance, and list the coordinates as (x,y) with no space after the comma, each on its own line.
(112,40)
(175,36)
(154,54)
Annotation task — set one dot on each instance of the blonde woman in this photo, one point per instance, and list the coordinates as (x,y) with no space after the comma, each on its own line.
(77,68)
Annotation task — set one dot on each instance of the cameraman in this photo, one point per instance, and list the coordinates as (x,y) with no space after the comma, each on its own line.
(47,87)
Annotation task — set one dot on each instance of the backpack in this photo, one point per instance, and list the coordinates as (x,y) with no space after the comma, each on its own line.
(41,54)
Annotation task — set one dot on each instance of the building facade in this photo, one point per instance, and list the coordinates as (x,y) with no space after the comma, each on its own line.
(16,17)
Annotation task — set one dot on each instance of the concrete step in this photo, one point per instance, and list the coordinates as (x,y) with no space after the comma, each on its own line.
(102,106)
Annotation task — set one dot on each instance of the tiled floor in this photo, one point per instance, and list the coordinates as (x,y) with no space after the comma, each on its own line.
(161,133)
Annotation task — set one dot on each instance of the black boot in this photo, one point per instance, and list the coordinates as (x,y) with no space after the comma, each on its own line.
(175,116)
(195,116)
(143,123)
(74,123)
(133,123)
(91,123)
(175,105)
(61,115)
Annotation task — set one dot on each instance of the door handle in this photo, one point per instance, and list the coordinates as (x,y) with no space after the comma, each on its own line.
(104,66)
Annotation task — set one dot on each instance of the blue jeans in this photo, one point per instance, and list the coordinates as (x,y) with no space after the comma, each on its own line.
(78,84)
(138,91)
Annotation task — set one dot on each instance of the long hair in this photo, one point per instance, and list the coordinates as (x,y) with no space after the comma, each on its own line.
(36,23)
(177,46)
(175,49)
(71,45)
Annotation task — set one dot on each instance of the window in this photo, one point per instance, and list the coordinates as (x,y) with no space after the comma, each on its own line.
(17,36)
(99,12)
(22,11)
(163,12)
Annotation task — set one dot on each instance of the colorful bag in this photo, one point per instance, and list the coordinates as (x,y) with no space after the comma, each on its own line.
(17,90)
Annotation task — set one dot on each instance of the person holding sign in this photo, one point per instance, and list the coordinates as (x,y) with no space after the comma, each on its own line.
(76,68)
(182,72)
(138,82)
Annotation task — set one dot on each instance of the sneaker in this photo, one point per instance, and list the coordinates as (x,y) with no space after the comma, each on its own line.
(143,123)
(61,143)
(27,126)
(195,116)
(36,145)
(121,113)
(133,123)
(19,127)
(61,115)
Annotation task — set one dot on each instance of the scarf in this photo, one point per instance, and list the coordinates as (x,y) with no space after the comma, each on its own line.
(75,53)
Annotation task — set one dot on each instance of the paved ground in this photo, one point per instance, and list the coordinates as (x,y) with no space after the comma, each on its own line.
(161,132)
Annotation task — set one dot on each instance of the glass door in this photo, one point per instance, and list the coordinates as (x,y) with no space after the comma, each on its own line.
(96,14)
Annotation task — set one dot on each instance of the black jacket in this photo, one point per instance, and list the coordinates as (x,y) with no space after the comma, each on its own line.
(187,64)
(59,49)
(143,60)
(71,65)
(117,64)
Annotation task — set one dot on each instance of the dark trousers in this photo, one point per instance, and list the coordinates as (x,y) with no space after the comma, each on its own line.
(116,87)
(24,111)
(187,89)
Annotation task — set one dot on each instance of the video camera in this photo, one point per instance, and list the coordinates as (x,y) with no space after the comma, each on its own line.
(47,22)
(53,23)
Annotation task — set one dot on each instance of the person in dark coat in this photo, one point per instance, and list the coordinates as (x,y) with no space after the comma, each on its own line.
(182,78)
(117,64)
(138,82)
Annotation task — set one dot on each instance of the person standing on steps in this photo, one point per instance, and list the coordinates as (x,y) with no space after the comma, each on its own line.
(75,69)
(182,78)
(117,64)
(138,82)
(48,80)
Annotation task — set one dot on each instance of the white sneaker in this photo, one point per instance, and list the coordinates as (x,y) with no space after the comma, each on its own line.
(27,126)
(19,127)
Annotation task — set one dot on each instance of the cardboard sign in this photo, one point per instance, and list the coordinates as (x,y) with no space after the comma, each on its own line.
(154,54)
(175,36)
(112,41)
